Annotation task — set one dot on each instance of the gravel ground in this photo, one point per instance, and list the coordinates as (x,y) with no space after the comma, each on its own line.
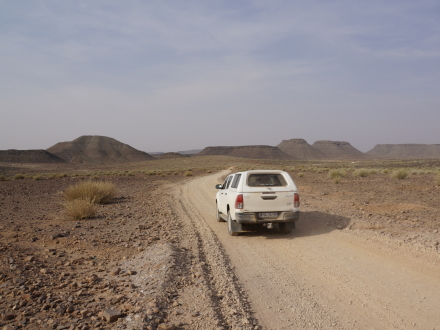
(146,262)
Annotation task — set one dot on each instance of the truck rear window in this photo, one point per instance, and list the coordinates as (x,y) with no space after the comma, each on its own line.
(266,179)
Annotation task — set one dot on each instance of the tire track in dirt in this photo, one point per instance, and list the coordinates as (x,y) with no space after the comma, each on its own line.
(226,294)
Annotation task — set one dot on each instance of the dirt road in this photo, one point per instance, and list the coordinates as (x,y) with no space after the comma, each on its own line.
(318,277)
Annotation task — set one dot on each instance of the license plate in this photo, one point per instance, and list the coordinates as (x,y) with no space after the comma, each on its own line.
(269,215)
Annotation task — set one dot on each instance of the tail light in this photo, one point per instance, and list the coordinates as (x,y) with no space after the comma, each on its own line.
(239,202)
(295,200)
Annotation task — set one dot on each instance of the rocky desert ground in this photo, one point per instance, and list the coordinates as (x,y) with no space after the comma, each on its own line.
(151,260)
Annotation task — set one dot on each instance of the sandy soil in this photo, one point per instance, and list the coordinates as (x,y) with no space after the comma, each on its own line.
(364,256)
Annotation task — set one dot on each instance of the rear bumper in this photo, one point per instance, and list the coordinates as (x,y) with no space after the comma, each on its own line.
(253,217)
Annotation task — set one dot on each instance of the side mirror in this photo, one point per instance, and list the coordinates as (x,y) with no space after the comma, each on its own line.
(219,186)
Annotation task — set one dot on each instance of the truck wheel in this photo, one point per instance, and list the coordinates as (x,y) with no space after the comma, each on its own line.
(230,229)
(217,213)
(283,228)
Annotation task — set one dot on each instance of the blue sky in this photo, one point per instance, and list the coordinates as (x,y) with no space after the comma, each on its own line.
(179,75)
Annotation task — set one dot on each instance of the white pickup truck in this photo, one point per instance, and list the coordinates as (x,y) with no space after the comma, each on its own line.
(260,197)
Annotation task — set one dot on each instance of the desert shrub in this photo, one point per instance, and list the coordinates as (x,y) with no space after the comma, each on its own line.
(19,176)
(362,172)
(38,177)
(373,171)
(80,209)
(96,192)
(162,174)
(400,174)
(300,174)
(3,178)
(188,173)
(208,171)
(337,173)
(176,173)
(61,175)
(385,171)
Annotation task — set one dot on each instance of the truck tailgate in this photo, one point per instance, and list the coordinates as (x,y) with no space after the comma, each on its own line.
(267,201)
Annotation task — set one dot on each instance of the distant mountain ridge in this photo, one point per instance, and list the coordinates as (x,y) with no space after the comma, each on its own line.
(29,156)
(253,151)
(405,151)
(97,149)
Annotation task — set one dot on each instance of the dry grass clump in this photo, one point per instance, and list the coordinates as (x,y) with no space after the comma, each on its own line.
(19,176)
(38,177)
(300,174)
(188,173)
(80,209)
(3,178)
(96,192)
(399,174)
(337,175)
(362,172)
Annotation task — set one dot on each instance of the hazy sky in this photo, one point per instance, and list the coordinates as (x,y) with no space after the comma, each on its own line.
(178,75)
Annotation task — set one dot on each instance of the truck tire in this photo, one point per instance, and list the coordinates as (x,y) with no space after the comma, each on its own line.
(217,213)
(230,226)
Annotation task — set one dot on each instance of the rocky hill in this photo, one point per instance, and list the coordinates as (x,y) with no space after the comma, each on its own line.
(28,156)
(254,152)
(97,149)
(300,149)
(405,151)
(339,150)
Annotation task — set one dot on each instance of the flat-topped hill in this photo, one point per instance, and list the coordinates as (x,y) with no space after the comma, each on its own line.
(97,149)
(29,156)
(168,155)
(254,152)
(338,150)
(300,149)
(405,151)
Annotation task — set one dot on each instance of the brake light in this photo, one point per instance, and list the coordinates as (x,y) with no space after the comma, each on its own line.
(239,202)
(295,200)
